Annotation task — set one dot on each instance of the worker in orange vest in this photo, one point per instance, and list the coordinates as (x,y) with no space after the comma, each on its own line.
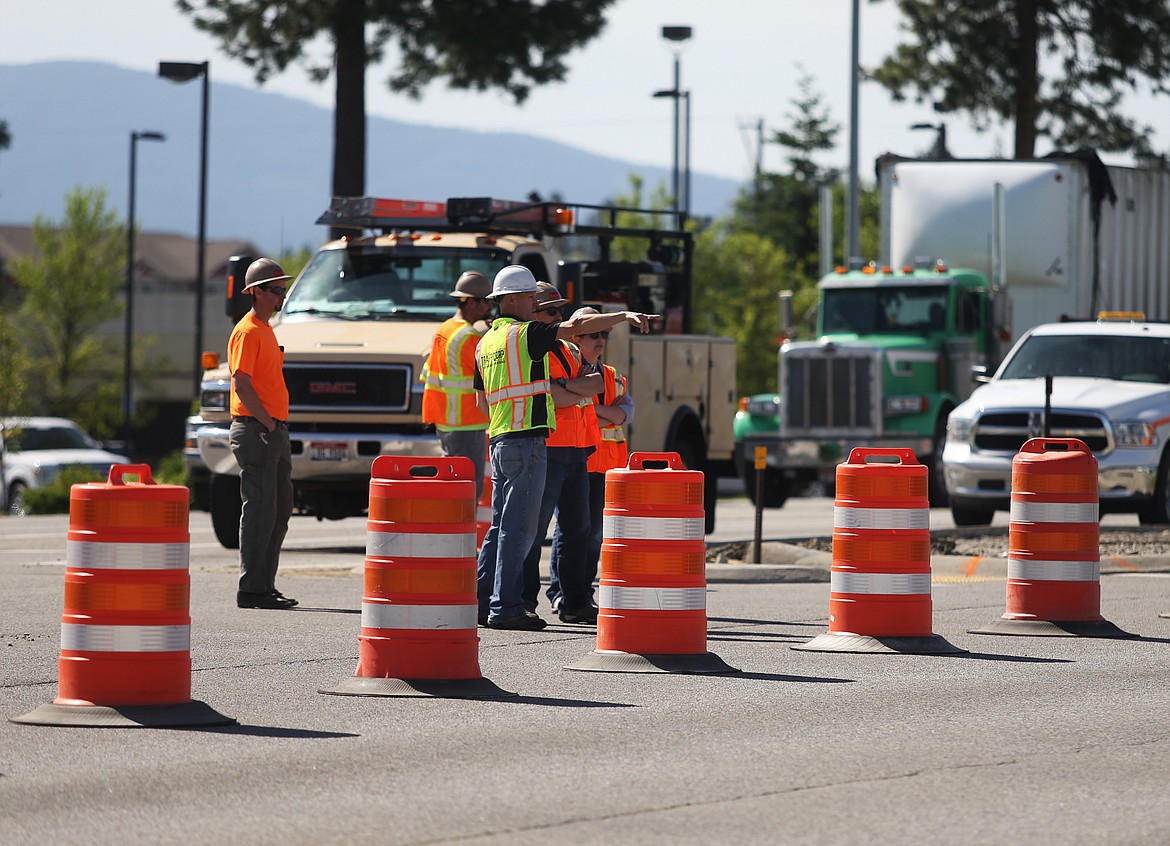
(614,409)
(448,389)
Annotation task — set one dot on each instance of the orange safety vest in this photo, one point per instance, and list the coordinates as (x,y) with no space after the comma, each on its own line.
(576,424)
(613,451)
(448,389)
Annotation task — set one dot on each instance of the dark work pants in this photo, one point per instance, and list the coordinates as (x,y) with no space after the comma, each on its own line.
(266,493)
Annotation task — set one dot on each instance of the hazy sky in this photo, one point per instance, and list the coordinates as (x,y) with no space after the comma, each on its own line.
(741,66)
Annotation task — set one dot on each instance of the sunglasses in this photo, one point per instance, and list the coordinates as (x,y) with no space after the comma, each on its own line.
(274,289)
(549,310)
(604,336)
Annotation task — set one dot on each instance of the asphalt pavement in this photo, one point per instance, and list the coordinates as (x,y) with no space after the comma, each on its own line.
(1060,740)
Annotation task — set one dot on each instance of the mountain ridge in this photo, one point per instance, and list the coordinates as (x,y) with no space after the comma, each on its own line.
(269,156)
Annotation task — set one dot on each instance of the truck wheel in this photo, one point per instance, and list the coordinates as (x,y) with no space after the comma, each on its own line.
(1157,512)
(968,514)
(16,499)
(225,510)
(775,488)
(936,478)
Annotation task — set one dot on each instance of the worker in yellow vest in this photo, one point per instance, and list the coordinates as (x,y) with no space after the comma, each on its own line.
(448,391)
(513,389)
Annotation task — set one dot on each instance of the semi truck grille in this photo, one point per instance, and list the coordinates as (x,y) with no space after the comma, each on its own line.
(1007,431)
(829,392)
(371,388)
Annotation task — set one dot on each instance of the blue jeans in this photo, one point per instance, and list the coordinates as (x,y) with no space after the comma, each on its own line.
(596,532)
(566,491)
(518,470)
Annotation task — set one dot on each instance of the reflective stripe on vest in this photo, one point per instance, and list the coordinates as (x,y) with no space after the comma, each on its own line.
(651,599)
(127,556)
(882,583)
(84,638)
(383,615)
(881,518)
(653,528)
(1054,512)
(420,545)
(1054,571)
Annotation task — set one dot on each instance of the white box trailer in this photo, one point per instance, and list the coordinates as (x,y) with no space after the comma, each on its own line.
(1053,265)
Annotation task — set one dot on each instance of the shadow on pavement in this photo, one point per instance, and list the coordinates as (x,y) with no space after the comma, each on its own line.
(784,678)
(277,731)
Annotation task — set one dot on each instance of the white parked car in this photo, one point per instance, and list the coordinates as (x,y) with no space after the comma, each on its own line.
(35,449)
(1110,389)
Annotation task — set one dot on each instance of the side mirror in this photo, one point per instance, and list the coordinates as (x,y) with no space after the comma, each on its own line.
(979,374)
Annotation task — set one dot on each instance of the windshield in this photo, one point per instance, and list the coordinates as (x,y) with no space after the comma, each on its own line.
(1121,357)
(56,437)
(885,310)
(398,282)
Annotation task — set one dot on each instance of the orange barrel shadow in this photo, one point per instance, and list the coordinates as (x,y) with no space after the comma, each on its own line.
(126,628)
(419,608)
(652,593)
(879,598)
(1054,549)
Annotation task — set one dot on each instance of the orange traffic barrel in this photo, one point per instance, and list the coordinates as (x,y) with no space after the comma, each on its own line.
(1054,545)
(652,593)
(880,598)
(419,606)
(126,627)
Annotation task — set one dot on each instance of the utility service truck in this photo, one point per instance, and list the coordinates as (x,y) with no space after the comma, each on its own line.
(976,253)
(358,322)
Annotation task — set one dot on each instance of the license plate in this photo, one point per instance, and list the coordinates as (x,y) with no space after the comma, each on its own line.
(328,451)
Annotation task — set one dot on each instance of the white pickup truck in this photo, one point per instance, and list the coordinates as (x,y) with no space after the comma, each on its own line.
(1110,387)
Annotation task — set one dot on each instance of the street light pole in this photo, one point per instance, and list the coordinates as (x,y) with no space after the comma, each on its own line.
(676,35)
(128,340)
(185,72)
(853,231)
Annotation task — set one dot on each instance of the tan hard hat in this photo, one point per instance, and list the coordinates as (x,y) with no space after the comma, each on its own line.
(472,284)
(262,271)
(547,296)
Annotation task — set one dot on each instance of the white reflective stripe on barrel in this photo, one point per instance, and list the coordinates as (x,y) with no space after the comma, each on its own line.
(881,518)
(483,514)
(654,528)
(410,545)
(1054,571)
(127,556)
(383,615)
(1054,512)
(884,583)
(84,638)
(651,599)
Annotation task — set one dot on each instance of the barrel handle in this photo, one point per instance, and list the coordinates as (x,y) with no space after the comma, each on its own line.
(406,467)
(673,460)
(1041,445)
(861,455)
(118,471)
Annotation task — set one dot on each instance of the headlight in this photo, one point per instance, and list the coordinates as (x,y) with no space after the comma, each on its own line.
(1135,433)
(906,405)
(959,429)
(765,407)
(214,399)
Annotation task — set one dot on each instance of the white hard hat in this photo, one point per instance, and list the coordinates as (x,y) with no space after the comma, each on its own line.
(513,279)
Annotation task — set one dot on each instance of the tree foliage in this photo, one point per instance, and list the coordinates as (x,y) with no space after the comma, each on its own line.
(69,287)
(1056,68)
(511,46)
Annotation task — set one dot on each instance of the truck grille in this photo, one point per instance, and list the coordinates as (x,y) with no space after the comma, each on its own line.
(370,388)
(1007,431)
(829,392)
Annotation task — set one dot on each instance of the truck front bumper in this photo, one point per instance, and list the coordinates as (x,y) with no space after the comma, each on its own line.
(809,458)
(1125,477)
(321,457)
